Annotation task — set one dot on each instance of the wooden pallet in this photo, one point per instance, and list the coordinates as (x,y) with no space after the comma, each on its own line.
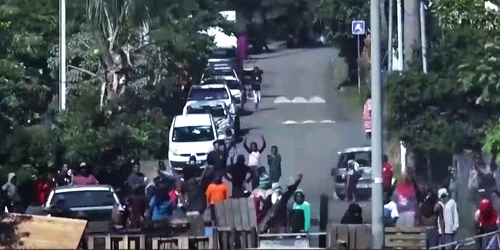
(227,238)
(236,213)
(405,238)
(190,242)
(110,242)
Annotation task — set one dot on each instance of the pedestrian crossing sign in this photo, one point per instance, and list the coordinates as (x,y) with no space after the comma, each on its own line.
(358,27)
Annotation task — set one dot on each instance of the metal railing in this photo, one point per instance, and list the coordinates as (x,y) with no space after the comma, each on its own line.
(465,242)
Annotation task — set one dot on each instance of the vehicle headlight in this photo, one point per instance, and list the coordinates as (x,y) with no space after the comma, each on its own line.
(174,152)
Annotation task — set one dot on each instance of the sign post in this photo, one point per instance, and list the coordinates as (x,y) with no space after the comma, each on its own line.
(358,29)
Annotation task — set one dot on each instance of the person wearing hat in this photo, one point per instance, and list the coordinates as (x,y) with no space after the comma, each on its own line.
(84,177)
(450,216)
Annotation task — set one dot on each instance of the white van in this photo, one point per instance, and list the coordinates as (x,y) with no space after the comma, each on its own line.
(191,135)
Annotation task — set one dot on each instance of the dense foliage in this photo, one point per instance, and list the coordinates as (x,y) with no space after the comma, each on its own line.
(123,77)
(456,105)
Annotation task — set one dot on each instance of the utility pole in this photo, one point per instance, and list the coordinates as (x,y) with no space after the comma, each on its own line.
(399,11)
(389,35)
(423,36)
(62,55)
(377,144)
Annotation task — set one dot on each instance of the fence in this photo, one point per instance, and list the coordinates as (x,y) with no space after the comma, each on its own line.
(470,241)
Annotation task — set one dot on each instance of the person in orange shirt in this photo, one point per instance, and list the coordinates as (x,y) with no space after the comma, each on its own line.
(217,191)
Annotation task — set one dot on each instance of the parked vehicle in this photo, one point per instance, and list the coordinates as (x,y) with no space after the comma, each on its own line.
(219,71)
(234,85)
(363,156)
(226,55)
(221,92)
(220,113)
(191,135)
(95,201)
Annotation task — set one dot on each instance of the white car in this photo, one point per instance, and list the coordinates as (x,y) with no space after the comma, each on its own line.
(212,92)
(191,135)
(234,85)
(95,201)
(219,71)
(220,113)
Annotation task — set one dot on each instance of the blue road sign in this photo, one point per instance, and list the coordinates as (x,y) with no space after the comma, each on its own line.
(358,27)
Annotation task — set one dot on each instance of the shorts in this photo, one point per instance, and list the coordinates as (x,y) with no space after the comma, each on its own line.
(256,96)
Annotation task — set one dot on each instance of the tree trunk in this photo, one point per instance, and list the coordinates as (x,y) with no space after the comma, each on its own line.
(383,24)
(411,28)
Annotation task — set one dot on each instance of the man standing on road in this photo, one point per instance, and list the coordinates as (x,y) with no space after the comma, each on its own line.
(352,172)
(256,85)
(274,163)
(237,174)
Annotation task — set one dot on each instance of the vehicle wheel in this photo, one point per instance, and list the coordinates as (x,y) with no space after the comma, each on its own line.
(340,195)
(237,126)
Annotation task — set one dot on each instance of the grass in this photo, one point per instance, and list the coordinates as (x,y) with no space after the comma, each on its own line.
(351,100)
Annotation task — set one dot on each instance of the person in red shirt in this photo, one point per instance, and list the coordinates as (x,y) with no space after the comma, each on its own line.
(43,186)
(84,177)
(387,174)
(486,220)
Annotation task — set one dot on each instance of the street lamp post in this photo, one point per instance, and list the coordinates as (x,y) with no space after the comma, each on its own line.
(62,55)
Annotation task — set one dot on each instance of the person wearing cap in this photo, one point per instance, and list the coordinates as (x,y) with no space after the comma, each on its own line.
(450,216)
(84,177)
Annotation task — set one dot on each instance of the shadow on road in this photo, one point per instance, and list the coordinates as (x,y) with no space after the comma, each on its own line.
(245,112)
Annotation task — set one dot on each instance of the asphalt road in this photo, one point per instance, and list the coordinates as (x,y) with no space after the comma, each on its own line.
(302,114)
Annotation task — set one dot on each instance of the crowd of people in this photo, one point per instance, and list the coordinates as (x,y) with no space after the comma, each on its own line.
(192,190)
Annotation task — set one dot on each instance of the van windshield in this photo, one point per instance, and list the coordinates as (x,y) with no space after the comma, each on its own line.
(223,53)
(197,94)
(193,134)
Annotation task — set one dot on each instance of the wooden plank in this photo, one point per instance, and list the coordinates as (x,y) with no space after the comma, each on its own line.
(254,237)
(343,234)
(363,237)
(410,237)
(252,216)
(389,230)
(398,244)
(40,232)
(228,212)
(219,214)
(183,243)
(108,243)
(237,213)
(245,212)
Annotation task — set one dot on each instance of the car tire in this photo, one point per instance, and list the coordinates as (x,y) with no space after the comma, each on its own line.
(340,195)
(237,126)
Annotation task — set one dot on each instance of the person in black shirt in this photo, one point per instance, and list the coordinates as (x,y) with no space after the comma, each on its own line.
(62,178)
(237,174)
(256,85)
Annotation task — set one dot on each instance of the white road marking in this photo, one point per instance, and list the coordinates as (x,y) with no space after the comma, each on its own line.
(290,122)
(308,122)
(316,99)
(281,99)
(327,121)
(299,99)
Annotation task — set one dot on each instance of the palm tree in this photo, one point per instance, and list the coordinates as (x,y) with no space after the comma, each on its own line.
(117,24)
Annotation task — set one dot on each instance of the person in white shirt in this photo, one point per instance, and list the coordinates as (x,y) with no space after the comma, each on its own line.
(391,213)
(254,158)
(450,215)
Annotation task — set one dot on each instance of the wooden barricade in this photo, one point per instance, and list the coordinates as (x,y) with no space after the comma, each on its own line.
(109,242)
(140,242)
(405,238)
(20,231)
(192,243)
(227,238)
(349,236)
(236,213)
